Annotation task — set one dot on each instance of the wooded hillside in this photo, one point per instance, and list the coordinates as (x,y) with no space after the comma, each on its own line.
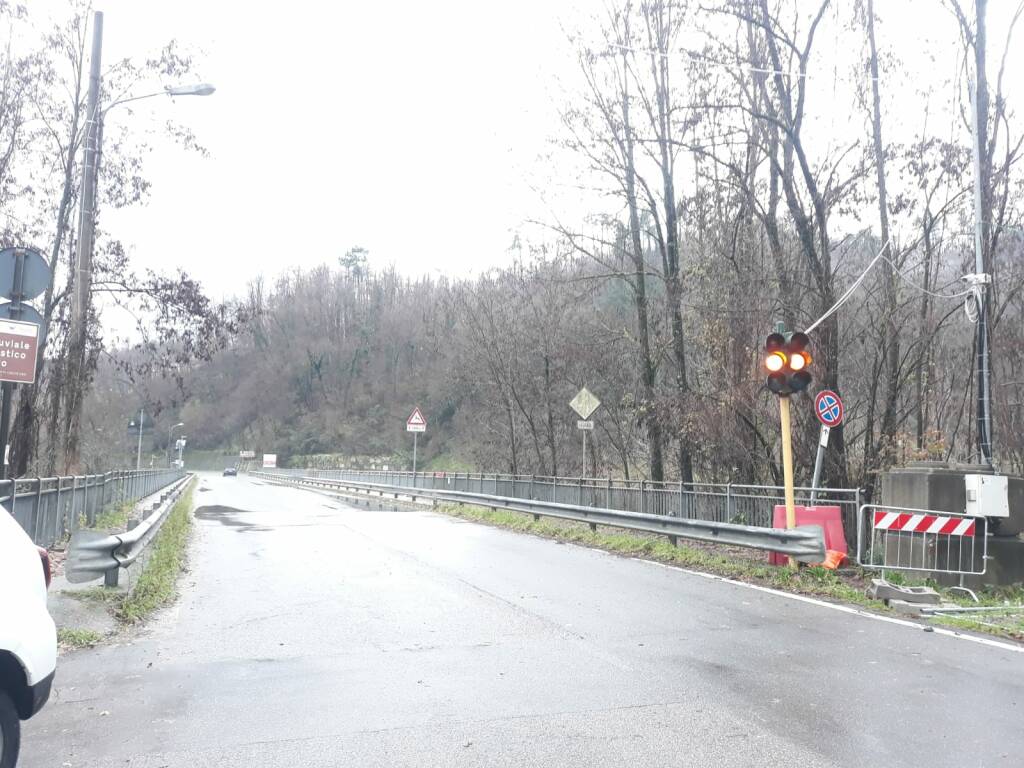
(718,204)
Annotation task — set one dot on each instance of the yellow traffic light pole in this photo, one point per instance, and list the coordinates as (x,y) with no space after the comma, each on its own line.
(787,467)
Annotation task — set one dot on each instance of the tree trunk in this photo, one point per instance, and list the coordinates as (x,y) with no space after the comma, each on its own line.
(649,415)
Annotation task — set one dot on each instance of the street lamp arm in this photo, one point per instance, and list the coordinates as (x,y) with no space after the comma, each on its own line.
(201,89)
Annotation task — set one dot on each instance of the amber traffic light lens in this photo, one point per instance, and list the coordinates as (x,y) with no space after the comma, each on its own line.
(798,361)
(775,361)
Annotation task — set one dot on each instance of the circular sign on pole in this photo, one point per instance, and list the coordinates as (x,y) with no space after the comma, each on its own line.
(829,408)
(35,273)
(22,312)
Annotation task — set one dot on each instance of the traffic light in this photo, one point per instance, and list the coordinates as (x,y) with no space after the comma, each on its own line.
(787,358)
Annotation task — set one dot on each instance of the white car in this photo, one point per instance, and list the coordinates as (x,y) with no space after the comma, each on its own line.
(28,639)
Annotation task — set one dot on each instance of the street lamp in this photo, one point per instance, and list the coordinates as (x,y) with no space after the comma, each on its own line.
(92,139)
(93,144)
(169,433)
(196,89)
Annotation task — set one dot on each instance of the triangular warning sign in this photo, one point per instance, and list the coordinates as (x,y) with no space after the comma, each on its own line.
(416,419)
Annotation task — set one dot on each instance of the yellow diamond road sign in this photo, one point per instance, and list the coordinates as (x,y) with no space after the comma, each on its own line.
(584,403)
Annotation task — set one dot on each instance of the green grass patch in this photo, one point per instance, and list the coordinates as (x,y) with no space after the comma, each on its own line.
(78,638)
(1004,625)
(155,586)
(114,518)
(847,586)
(96,595)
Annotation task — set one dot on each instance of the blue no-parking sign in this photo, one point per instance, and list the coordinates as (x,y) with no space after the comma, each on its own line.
(829,408)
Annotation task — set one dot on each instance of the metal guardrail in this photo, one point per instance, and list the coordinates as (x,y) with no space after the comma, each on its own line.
(908,539)
(716,502)
(805,543)
(50,508)
(93,553)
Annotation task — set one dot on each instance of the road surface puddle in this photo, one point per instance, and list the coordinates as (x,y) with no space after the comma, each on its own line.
(229,516)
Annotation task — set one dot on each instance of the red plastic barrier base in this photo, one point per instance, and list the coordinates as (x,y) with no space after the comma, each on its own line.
(827,517)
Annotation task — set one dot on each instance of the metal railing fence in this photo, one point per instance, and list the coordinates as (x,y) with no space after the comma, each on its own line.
(806,543)
(51,508)
(714,502)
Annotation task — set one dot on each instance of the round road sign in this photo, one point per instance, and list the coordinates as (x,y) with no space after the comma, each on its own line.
(25,313)
(35,274)
(829,408)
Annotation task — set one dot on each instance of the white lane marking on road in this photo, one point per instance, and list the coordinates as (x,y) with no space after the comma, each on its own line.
(844,608)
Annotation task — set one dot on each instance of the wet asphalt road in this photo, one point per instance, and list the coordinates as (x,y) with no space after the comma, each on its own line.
(310,633)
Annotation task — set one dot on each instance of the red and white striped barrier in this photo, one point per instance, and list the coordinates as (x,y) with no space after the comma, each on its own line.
(903,521)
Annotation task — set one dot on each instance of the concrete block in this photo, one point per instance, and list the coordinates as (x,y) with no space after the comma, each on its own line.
(880,589)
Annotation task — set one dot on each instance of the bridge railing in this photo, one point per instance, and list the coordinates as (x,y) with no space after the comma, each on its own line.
(52,508)
(733,503)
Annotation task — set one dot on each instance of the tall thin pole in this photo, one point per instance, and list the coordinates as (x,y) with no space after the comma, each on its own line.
(7,389)
(7,392)
(787,466)
(984,399)
(584,451)
(87,209)
(414,436)
(138,452)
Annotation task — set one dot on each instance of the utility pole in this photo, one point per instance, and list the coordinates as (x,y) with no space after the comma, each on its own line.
(982,277)
(87,209)
(78,335)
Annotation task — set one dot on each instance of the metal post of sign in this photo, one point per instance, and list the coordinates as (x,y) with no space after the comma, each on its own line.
(138,453)
(584,404)
(24,274)
(787,467)
(822,444)
(828,407)
(416,423)
(584,452)
(7,390)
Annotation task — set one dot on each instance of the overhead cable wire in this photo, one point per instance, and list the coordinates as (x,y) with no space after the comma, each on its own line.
(849,291)
(731,66)
(972,291)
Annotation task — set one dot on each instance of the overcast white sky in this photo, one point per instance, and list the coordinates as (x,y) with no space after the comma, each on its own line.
(401,127)
(409,128)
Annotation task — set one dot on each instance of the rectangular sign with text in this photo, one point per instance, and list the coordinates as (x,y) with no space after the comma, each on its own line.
(18,343)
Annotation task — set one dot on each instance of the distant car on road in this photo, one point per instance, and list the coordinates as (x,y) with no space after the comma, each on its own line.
(230,471)
(28,639)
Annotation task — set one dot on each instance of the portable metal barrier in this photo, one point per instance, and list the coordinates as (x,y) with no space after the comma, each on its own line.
(907,539)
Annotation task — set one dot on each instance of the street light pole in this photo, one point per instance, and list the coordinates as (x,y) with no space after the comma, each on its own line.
(81,292)
(169,433)
(138,453)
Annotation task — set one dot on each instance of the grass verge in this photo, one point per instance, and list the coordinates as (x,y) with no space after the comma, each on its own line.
(846,585)
(77,638)
(114,518)
(155,586)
